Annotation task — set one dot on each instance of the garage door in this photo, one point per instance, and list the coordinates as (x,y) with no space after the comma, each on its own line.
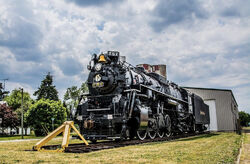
(213,117)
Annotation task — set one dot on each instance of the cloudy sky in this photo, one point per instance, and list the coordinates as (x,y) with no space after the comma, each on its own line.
(203,43)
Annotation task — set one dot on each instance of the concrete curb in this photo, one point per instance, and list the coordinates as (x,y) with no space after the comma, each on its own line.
(240,151)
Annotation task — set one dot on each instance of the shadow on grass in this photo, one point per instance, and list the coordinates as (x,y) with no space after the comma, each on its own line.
(198,137)
(246,130)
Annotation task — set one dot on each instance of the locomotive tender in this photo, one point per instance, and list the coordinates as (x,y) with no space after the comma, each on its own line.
(127,102)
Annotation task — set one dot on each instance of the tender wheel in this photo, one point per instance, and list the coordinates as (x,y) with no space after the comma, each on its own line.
(168,126)
(161,133)
(152,134)
(141,134)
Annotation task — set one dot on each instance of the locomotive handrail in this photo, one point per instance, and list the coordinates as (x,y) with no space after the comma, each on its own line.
(98,109)
(167,95)
(104,95)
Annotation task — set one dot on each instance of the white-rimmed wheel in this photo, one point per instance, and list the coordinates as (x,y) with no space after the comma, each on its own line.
(151,134)
(168,126)
(141,134)
(161,133)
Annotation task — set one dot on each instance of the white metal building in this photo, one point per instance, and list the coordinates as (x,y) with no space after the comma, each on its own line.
(223,108)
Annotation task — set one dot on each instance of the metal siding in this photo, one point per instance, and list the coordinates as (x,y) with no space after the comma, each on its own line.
(223,101)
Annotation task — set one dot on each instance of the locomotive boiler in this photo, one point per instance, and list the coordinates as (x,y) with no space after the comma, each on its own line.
(126,102)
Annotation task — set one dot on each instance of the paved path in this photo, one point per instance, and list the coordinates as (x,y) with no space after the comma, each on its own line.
(22,140)
(245,155)
(19,140)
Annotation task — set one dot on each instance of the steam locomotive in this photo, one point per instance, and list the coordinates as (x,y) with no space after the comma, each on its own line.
(126,102)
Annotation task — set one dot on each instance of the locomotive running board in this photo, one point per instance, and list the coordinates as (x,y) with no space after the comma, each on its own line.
(164,94)
(65,129)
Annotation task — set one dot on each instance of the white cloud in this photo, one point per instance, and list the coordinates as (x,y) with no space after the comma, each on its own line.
(207,48)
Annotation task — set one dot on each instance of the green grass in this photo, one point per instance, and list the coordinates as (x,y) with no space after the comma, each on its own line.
(17,137)
(246,128)
(209,148)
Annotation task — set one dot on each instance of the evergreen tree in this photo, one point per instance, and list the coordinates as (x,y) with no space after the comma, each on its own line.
(46,89)
(2,92)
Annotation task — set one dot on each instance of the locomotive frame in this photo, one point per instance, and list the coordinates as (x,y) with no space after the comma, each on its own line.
(126,102)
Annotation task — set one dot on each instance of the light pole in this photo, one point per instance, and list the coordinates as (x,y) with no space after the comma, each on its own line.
(1,120)
(22,114)
(52,123)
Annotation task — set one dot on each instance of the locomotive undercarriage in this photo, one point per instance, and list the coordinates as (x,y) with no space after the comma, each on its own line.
(134,113)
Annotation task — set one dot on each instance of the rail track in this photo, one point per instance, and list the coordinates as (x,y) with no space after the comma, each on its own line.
(82,148)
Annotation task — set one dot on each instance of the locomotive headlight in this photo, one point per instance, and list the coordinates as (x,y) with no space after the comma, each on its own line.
(98,77)
(98,66)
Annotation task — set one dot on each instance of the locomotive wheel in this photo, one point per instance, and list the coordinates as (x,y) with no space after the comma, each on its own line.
(141,134)
(168,128)
(168,133)
(161,133)
(152,134)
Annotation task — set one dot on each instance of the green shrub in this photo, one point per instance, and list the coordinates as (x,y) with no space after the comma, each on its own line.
(41,113)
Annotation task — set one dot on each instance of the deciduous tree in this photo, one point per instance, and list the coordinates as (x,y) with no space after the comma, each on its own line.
(72,95)
(9,117)
(244,118)
(14,100)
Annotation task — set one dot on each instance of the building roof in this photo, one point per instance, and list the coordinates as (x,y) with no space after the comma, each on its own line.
(215,89)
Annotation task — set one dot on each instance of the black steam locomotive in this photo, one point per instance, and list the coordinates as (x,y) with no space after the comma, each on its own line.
(127,102)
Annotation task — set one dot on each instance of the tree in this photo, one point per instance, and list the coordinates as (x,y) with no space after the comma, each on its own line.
(9,117)
(72,95)
(84,88)
(244,118)
(47,90)
(40,115)
(14,100)
(2,92)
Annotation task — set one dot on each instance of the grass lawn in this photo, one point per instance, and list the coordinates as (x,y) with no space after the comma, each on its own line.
(17,137)
(247,128)
(209,148)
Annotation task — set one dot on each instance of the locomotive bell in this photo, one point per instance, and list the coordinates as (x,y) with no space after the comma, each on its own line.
(102,58)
